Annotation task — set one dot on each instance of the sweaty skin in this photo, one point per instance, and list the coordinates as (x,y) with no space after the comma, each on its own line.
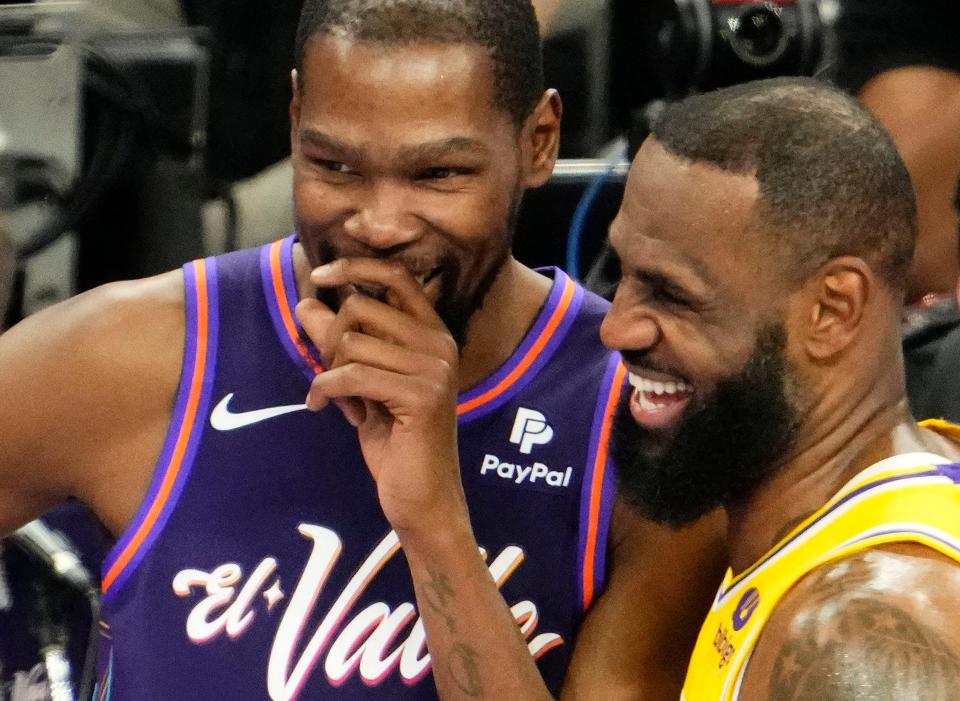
(399,153)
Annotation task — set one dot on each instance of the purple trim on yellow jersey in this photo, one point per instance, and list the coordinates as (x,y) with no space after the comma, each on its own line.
(951,471)
(907,528)
(280,288)
(934,471)
(598,488)
(186,426)
(533,353)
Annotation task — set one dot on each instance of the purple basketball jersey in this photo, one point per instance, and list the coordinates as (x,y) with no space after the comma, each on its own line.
(260,565)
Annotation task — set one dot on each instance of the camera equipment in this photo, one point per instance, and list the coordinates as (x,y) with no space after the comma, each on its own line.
(101,144)
(699,45)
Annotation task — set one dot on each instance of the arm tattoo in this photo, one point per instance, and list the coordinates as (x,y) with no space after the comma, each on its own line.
(868,651)
(463,667)
(438,592)
(465,671)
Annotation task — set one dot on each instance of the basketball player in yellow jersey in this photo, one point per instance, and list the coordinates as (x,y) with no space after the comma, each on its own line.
(764,240)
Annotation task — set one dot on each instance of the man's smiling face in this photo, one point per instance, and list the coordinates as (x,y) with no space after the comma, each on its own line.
(698,318)
(400,152)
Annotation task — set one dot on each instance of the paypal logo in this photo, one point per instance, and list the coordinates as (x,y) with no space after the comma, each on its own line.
(529,429)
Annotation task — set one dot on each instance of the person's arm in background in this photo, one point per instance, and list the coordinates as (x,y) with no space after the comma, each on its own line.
(902,58)
(546,10)
(920,107)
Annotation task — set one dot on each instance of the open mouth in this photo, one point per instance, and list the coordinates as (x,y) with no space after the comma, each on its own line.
(659,401)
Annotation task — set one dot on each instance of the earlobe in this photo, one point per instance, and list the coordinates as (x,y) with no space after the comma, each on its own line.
(542,133)
(836,299)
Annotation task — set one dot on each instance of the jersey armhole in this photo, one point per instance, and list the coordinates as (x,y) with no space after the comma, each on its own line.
(183,435)
(598,489)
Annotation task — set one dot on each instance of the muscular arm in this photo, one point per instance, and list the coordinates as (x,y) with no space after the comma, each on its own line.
(880,625)
(87,388)
(920,107)
(633,645)
(635,642)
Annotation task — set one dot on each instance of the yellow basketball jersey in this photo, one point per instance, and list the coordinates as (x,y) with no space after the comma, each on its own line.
(913,497)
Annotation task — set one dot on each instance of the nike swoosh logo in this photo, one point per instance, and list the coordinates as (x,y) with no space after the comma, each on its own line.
(222,419)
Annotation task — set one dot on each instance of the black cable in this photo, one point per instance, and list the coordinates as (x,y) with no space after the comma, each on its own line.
(88,674)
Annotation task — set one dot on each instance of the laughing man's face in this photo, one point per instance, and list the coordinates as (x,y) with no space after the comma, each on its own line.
(697,319)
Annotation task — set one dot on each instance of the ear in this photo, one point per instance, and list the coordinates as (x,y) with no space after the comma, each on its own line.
(541,139)
(829,310)
(295,103)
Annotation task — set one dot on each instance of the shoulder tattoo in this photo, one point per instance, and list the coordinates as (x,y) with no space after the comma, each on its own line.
(868,650)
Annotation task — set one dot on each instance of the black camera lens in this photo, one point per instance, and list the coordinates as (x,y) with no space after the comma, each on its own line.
(758,36)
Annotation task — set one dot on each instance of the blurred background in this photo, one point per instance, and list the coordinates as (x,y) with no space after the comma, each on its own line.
(138,134)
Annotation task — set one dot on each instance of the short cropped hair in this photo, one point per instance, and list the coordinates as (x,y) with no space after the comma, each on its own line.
(830,178)
(507,29)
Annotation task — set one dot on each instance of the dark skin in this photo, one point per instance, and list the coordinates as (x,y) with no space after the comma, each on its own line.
(699,281)
(403,162)
(920,107)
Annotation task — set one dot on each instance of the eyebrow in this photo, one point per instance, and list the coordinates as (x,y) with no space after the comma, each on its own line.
(691,275)
(428,151)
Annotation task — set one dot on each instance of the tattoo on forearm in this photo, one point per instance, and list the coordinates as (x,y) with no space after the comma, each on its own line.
(465,670)
(438,593)
(872,650)
(464,667)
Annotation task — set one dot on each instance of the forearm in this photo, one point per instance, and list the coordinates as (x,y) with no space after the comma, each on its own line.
(476,646)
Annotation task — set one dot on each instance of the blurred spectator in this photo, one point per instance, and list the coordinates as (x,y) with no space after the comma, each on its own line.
(902,57)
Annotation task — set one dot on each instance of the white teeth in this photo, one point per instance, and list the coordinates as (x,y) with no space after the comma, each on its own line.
(646,386)
(645,403)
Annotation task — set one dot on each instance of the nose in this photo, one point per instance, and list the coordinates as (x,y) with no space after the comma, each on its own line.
(629,326)
(384,220)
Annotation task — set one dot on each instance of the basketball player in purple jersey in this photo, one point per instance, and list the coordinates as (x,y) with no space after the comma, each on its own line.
(454,465)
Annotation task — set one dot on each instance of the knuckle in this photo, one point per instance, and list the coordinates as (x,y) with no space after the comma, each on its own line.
(352,306)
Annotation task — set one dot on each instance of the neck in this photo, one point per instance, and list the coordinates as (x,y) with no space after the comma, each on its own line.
(499,326)
(827,456)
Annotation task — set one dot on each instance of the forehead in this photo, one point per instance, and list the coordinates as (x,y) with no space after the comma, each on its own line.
(363,84)
(680,213)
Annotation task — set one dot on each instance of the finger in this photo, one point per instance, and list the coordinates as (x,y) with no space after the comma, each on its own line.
(370,317)
(353,410)
(406,397)
(367,350)
(403,290)
(316,318)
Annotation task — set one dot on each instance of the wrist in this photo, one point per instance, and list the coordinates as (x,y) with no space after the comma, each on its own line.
(438,535)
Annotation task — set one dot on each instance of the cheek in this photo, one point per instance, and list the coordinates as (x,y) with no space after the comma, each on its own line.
(706,356)
(314,202)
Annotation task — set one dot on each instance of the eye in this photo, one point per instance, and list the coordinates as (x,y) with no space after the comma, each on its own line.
(442,173)
(668,295)
(335,166)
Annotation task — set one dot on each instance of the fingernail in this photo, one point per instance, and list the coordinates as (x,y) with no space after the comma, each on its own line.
(322,273)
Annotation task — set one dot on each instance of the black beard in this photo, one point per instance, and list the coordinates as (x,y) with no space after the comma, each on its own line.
(722,452)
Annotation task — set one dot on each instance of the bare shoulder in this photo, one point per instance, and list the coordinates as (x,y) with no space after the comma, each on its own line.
(94,378)
(878,625)
(636,640)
